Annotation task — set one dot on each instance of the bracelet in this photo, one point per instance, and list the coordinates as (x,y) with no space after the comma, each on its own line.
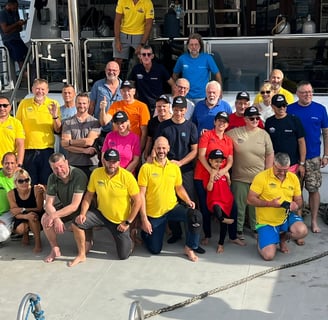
(55,118)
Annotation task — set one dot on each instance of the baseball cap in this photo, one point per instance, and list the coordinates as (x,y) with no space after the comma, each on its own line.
(128,84)
(279,100)
(180,102)
(164,98)
(216,154)
(251,111)
(120,116)
(222,115)
(242,95)
(111,155)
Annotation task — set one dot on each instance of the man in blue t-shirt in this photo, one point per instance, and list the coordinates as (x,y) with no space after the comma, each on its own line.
(315,122)
(196,66)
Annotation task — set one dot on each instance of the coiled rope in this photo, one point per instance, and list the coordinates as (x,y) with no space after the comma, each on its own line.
(234,284)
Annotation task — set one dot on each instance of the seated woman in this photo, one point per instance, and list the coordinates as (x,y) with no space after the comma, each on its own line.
(124,141)
(26,205)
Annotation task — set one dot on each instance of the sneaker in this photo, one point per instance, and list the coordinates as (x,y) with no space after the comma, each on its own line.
(240,235)
(199,250)
(16,237)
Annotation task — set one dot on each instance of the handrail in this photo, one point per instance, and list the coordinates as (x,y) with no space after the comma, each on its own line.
(33,300)
(136,309)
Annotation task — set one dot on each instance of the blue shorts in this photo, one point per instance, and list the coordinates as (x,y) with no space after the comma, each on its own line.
(268,235)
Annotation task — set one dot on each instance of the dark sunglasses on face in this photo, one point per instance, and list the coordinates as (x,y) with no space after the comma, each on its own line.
(267,92)
(148,54)
(21,181)
(281,106)
(254,118)
(4,105)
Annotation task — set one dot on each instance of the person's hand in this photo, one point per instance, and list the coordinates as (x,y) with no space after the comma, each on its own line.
(324,162)
(40,188)
(146,226)
(191,204)
(301,171)
(122,227)
(176,162)
(59,226)
(103,104)
(203,131)
(293,206)
(47,221)
(53,109)
(80,219)
(118,45)
(90,150)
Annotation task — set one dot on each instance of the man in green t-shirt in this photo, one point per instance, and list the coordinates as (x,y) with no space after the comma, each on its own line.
(9,166)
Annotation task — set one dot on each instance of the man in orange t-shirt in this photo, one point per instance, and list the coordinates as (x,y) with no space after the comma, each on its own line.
(136,110)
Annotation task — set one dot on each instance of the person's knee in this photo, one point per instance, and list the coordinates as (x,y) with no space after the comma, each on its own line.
(267,255)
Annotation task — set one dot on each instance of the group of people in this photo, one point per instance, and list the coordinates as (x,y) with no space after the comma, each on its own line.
(133,158)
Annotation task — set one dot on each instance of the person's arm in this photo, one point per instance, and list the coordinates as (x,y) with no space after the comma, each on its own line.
(183,195)
(172,84)
(133,164)
(211,180)
(67,210)
(145,36)
(135,208)
(223,171)
(20,149)
(324,159)
(143,137)
(203,160)
(175,76)
(253,199)
(104,117)
(117,30)
(88,141)
(12,28)
(145,224)
(148,145)
(302,153)
(218,77)
(189,157)
(268,160)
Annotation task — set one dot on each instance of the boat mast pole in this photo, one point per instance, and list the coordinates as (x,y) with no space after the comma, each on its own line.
(74,34)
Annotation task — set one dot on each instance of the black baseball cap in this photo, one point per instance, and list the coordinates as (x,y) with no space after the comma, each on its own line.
(279,100)
(164,98)
(222,115)
(111,155)
(120,116)
(128,84)
(216,154)
(251,111)
(179,101)
(242,95)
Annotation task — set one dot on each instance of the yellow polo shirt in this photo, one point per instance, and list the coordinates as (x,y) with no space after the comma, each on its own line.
(113,193)
(160,183)
(269,187)
(134,15)
(37,122)
(10,130)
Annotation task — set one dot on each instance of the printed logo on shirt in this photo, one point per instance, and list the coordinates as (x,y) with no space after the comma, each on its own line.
(101,183)
(139,76)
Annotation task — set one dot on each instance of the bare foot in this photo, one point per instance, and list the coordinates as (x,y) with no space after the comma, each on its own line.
(37,249)
(77,260)
(315,228)
(88,246)
(205,241)
(300,242)
(54,253)
(25,240)
(228,221)
(238,241)
(283,247)
(220,249)
(191,254)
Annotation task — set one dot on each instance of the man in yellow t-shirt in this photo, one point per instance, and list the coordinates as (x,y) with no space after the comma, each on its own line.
(11,133)
(40,117)
(160,183)
(276,79)
(132,26)
(118,203)
(276,194)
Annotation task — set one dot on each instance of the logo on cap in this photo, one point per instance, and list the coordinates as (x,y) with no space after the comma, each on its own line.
(111,155)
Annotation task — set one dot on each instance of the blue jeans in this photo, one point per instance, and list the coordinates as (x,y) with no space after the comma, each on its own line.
(154,241)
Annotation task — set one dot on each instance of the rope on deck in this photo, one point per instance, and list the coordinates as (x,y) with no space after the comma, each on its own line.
(234,284)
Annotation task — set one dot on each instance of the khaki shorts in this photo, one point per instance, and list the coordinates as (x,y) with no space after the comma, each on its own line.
(313,177)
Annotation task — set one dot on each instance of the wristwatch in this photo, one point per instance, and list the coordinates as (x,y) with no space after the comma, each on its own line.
(302,163)
(23,210)
(127,222)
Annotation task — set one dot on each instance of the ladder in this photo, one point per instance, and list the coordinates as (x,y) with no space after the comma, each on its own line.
(199,16)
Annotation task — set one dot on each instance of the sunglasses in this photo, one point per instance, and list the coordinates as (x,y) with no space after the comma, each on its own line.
(4,105)
(148,54)
(267,92)
(21,181)
(283,106)
(254,118)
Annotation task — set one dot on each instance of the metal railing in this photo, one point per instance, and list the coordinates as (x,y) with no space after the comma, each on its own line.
(136,310)
(31,302)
